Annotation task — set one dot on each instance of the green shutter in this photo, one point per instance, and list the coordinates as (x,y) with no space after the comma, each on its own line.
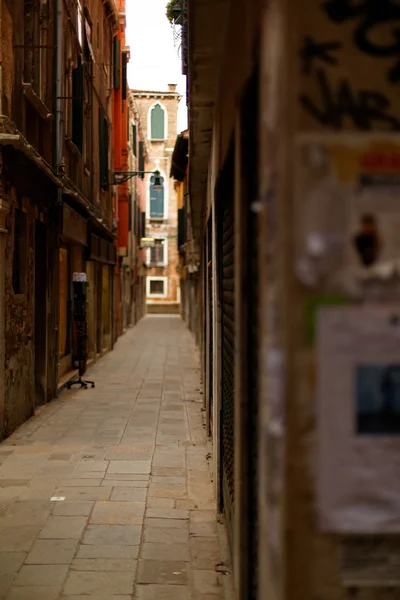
(157,119)
(143,224)
(77,107)
(134,140)
(103,139)
(141,159)
(124,75)
(156,200)
(117,63)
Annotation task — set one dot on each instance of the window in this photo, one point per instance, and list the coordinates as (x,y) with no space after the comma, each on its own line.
(77,106)
(124,75)
(158,255)
(20,252)
(156,198)
(32,41)
(103,156)
(117,63)
(157,122)
(157,287)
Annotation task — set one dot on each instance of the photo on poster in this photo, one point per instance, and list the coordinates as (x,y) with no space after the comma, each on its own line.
(378,399)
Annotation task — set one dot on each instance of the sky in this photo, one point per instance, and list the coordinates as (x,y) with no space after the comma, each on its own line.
(155,59)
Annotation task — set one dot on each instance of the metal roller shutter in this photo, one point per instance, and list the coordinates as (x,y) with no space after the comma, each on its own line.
(228,341)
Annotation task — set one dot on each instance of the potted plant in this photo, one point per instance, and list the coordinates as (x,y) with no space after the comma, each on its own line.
(174,11)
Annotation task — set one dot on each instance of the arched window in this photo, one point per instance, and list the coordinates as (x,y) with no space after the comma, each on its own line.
(156,198)
(157,122)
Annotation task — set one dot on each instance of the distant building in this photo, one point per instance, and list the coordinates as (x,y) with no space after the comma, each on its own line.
(158,112)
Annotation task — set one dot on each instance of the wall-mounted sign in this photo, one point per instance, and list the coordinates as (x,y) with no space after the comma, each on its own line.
(358,419)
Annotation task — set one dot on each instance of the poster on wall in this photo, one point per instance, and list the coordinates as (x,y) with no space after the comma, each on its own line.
(358,419)
(347,214)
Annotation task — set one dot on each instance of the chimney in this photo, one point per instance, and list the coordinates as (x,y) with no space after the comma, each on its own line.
(172,87)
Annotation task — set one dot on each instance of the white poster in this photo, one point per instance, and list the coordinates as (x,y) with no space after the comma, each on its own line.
(358,475)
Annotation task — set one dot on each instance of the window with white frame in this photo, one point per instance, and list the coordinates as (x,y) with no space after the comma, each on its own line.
(157,287)
(157,197)
(157,256)
(157,122)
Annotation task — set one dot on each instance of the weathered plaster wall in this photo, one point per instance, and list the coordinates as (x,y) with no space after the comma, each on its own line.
(19,326)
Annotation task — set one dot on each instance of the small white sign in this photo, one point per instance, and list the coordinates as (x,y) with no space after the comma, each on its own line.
(80,277)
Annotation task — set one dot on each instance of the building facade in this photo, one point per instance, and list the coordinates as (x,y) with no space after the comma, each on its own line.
(286,166)
(56,201)
(158,113)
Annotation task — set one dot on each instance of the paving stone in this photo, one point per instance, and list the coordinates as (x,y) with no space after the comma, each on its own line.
(126,535)
(17,539)
(206,529)
(127,466)
(159,535)
(11,562)
(118,513)
(51,552)
(63,528)
(165,513)
(203,516)
(114,483)
(98,450)
(204,553)
(41,575)
(108,551)
(104,564)
(206,582)
(162,571)
(162,592)
(128,495)
(166,523)
(34,593)
(72,509)
(88,466)
(84,493)
(177,492)
(96,596)
(160,503)
(97,583)
(178,552)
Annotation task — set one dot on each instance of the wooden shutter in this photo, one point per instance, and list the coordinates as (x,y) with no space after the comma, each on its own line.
(134,140)
(77,107)
(141,159)
(103,138)
(117,64)
(143,224)
(181,225)
(124,75)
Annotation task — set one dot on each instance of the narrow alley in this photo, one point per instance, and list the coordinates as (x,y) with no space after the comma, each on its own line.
(107,493)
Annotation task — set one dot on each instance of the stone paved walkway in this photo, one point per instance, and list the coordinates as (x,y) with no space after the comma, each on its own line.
(106,493)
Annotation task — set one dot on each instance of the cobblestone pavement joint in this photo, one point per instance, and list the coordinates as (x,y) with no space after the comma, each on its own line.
(106,493)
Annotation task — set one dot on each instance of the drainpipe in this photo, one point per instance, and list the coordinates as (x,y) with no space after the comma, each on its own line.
(58,156)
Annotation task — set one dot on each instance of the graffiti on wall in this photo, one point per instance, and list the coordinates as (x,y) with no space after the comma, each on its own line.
(339,100)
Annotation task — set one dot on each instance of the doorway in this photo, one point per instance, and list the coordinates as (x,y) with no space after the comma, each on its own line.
(40,313)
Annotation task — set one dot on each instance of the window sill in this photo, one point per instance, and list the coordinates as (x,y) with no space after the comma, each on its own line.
(36,102)
(157,218)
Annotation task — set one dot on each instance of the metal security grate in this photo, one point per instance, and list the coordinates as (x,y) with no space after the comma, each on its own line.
(210,312)
(228,338)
